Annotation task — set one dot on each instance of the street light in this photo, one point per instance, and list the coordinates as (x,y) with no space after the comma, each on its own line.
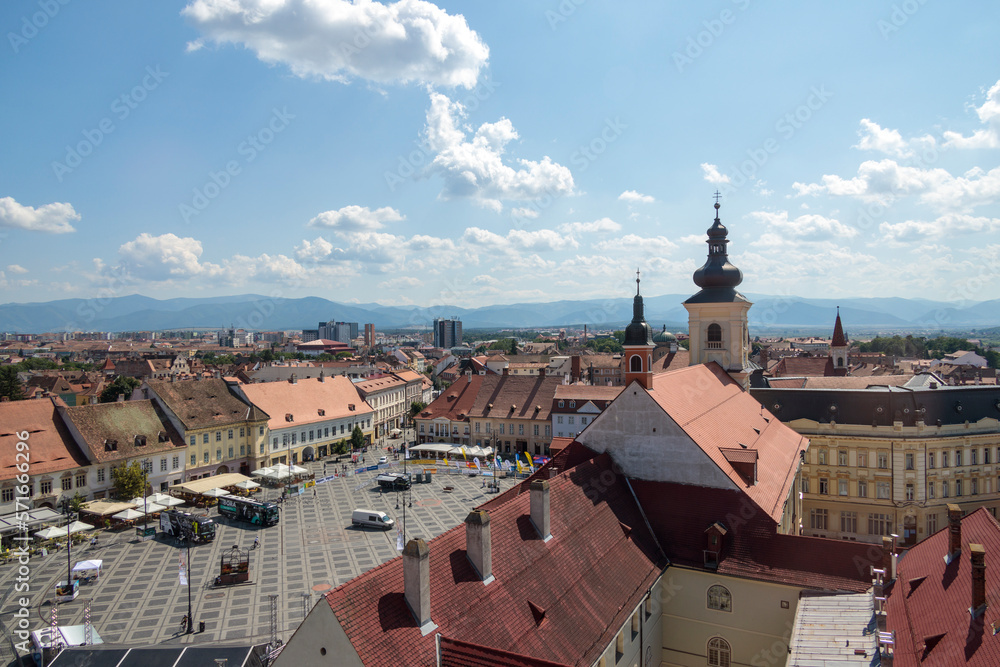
(69,541)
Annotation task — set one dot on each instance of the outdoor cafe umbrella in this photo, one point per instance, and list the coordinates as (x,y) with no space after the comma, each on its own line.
(260,472)
(128,515)
(164,500)
(297,470)
(152,508)
(247,484)
(51,532)
(79,527)
(215,493)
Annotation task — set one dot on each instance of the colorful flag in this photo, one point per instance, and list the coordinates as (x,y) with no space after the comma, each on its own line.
(464,455)
(475,460)
(530,462)
(183,569)
(519,465)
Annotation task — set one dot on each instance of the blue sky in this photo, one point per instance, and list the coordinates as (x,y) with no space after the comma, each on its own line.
(481,153)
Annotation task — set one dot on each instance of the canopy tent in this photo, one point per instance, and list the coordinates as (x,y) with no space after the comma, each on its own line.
(260,472)
(247,485)
(215,493)
(85,566)
(450,450)
(51,533)
(129,514)
(105,508)
(16,521)
(199,486)
(298,470)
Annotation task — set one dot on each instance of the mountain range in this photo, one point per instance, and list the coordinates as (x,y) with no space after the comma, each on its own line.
(253,311)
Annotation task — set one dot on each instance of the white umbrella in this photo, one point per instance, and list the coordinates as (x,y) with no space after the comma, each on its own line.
(278,474)
(51,532)
(261,472)
(128,515)
(247,485)
(138,501)
(151,508)
(79,527)
(215,493)
(164,499)
(297,470)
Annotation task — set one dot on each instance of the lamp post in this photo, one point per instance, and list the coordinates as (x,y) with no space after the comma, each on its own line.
(187,566)
(69,541)
(145,501)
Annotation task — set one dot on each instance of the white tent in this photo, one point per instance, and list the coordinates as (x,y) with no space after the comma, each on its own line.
(128,515)
(215,493)
(261,472)
(297,470)
(247,485)
(51,532)
(88,566)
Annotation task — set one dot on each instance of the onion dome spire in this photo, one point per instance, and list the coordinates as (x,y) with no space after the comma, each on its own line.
(717,271)
(638,332)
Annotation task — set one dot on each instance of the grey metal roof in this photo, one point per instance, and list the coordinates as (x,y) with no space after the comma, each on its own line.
(833,631)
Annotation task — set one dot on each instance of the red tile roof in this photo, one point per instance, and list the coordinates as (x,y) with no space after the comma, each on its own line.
(939,604)
(455,400)
(515,397)
(122,422)
(305,399)
(588,578)
(718,414)
(672,361)
(50,446)
(456,653)
(814,366)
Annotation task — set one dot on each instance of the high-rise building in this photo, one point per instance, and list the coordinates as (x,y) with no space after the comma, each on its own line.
(369,335)
(447,333)
(343,332)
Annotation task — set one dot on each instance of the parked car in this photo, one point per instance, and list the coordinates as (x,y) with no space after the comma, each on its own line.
(383,459)
(371,519)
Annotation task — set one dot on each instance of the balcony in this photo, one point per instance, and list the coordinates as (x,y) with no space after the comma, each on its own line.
(713,345)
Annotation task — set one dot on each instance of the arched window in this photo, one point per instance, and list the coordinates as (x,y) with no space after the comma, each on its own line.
(719,598)
(718,652)
(840,361)
(635,363)
(714,333)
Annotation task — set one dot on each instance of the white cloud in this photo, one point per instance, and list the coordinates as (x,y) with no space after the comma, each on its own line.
(808,226)
(16,269)
(989,114)
(693,239)
(356,218)
(318,250)
(595,227)
(877,138)
(712,175)
(634,243)
(264,268)
(51,218)
(484,279)
(634,197)
(402,42)
(165,257)
(523,212)
(473,167)
(402,282)
(421,242)
(918,231)
(519,240)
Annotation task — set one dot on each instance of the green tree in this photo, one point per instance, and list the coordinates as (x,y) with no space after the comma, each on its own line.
(340,447)
(357,438)
(416,407)
(326,356)
(10,385)
(121,385)
(77,501)
(128,481)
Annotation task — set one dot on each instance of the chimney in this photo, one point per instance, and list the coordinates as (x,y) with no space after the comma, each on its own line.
(954,532)
(477,544)
(417,583)
(506,371)
(293,379)
(575,368)
(322,377)
(541,372)
(887,558)
(540,508)
(121,398)
(977,555)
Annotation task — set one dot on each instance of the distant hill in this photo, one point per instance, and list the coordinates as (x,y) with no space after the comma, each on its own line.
(253,311)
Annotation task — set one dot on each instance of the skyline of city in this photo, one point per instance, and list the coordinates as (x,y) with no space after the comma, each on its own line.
(414,153)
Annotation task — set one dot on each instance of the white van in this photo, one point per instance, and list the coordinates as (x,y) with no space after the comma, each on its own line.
(371,519)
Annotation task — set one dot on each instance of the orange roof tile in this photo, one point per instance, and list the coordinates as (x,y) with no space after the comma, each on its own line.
(304,399)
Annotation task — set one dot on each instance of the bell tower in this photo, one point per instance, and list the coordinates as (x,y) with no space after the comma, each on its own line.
(638,345)
(838,348)
(717,315)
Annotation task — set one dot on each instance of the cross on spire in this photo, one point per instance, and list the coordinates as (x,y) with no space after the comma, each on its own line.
(637,281)
(717,195)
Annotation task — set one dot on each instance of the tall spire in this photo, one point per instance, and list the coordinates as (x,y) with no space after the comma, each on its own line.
(638,332)
(717,271)
(839,339)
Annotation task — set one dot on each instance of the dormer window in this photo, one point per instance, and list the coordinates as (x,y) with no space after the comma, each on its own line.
(140,441)
(322,412)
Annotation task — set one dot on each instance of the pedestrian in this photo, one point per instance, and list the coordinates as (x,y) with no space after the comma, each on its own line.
(314,492)
(256,541)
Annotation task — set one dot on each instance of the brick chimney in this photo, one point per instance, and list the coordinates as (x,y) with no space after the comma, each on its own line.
(477,544)
(575,368)
(541,372)
(540,508)
(978,556)
(506,371)
(954,532)
(417,583)
(293,379)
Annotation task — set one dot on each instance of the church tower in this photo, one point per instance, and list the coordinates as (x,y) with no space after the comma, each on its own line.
(717,315)
(838,348)
(638,345)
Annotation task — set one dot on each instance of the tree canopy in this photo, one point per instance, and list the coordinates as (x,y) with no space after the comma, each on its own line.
(128,481)
(121,385)
(357,438)
(10,385)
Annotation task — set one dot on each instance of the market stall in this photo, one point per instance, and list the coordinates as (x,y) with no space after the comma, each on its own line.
(87,570)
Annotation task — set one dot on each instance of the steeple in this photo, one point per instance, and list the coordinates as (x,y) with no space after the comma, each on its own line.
(638,344)
(838,348)
(839,339)
(717,272)
(638,332)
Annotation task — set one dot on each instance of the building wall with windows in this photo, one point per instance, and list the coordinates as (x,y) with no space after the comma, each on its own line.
(706,615)
(876,468)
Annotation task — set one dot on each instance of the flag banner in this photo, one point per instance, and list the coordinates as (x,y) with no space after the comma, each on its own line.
(183,569)
(475,460)
(399,540)
(528,457)
(406,451)
(464,455)
(519,468)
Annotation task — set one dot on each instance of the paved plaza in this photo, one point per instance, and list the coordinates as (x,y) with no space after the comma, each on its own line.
(138,598)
